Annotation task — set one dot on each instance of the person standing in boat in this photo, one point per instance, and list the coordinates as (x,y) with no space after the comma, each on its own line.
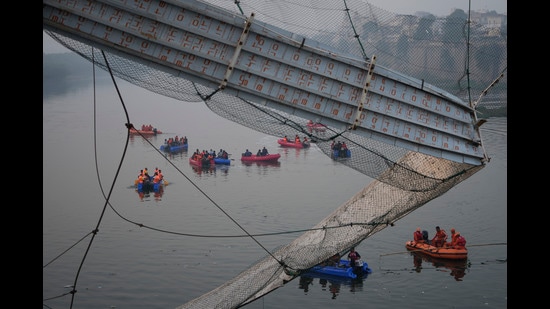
(156,178)
(418,237)
(139,180)
(354,257)
(343,150)
(440,237)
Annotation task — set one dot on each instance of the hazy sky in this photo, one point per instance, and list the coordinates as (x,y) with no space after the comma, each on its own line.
(436,7)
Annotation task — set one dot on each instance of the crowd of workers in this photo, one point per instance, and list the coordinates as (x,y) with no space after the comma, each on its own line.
(440,238)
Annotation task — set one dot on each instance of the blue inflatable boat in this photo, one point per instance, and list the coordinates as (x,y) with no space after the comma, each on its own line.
(174,148)
(222,161)
(341,270)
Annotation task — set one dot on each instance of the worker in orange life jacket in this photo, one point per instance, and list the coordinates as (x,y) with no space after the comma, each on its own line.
(440,237)
(418,236)
(460,241)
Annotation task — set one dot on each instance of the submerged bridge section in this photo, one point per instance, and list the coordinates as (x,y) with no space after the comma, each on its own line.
(272,67)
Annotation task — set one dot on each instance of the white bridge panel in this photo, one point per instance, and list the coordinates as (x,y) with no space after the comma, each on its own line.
(275,68)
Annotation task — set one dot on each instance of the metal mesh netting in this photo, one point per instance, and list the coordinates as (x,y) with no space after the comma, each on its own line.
(448,52)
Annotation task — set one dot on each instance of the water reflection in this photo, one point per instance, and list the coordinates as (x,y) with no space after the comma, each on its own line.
(262,163)
(144,195)
(457,268)
(145,190)
(144,140)
(212,170)
(177,155)
(287,152)
(331,284)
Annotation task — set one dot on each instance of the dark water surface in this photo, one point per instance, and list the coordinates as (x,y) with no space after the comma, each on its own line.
(165,263)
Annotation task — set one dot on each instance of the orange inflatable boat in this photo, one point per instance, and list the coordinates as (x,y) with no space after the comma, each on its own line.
(437,252)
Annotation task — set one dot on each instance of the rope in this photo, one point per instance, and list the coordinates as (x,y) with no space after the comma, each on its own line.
(355,32)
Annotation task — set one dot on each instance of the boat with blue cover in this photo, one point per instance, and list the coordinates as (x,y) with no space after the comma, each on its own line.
(174,147)
(222,161)
(149,186)
(342,269)
(343,153)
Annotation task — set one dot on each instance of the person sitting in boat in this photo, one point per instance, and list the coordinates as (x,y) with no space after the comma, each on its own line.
(440,237)
(453,239)
(247,153)
(460,241)
(259,153)
(297,139)
(223,154)
(205,159)
(264,151)
(285,139)
(418,237)
(354,257)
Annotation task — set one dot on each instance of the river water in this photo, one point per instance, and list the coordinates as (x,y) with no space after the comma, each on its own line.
(154,251)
